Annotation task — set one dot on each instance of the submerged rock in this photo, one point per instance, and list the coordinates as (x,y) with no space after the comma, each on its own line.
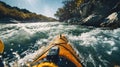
(113,20)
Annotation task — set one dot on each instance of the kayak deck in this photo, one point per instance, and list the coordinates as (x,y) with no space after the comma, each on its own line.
(65,51)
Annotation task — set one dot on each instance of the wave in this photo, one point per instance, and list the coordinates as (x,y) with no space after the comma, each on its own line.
(96,47)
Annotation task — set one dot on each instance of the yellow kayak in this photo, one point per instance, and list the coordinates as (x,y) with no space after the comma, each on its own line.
(59,53)
(1,47)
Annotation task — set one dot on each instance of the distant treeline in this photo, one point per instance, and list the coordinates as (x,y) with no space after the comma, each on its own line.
(7,11)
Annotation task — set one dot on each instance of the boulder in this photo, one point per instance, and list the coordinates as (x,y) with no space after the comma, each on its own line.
(113,20)
(92,20)
(94,13)
(86,9)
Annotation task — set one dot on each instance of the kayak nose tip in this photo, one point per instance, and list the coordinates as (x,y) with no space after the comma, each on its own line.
(63,37)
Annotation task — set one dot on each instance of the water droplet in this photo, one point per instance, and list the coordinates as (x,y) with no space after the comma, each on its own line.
(11,49)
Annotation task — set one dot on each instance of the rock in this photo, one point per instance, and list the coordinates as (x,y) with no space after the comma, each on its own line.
(95,12)
(116,8)
(113,20)
(86,9)
(92,20)
(73,21)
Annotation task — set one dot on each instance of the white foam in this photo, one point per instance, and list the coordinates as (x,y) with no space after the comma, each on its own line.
(111,50)
(29,57)
(11,49)
(114,48)
(16,55)
(87,38)
(112,43)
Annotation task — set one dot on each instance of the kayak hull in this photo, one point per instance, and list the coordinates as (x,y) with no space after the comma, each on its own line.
(1,47)
(65,50)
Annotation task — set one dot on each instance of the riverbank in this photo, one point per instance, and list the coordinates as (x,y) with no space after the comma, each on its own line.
(96,13)
(10,14)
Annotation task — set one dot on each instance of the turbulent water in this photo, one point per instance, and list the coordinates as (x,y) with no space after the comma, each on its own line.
(96,47)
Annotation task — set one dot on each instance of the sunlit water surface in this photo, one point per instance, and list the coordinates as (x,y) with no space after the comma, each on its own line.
(96,47)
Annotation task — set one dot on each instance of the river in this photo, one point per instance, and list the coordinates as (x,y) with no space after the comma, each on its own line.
(97,47)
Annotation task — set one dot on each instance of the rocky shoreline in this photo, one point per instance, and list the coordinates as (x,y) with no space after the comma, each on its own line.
(98,13)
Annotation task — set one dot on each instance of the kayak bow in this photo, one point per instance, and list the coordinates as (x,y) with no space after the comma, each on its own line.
(58,48)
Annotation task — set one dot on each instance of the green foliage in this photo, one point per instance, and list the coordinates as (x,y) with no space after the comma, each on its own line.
(69,10)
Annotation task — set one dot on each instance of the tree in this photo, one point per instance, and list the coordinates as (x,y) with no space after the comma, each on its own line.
(69,10)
